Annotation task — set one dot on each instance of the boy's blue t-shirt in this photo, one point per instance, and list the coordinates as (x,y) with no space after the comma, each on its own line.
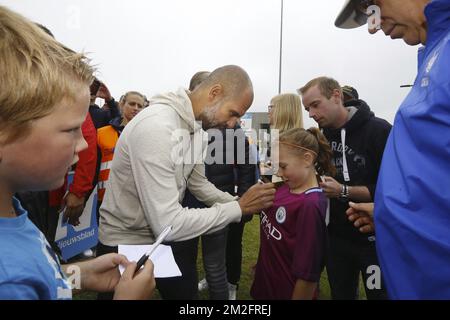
(29,269)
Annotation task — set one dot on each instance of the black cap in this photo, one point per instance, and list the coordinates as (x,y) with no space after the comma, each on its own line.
(351,15)
(351,92)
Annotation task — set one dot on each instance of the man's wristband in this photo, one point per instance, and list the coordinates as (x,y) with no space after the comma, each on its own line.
(344,192)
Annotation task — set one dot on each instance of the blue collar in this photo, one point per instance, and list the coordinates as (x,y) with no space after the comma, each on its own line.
(15,223)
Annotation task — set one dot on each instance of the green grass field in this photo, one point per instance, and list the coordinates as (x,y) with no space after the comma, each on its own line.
(249,257)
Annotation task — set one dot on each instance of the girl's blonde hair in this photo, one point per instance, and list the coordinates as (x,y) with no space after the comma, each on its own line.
(36,73)
(286,112)
(301,140)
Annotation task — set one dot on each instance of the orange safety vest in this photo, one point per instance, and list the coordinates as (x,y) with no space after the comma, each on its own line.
(106,139)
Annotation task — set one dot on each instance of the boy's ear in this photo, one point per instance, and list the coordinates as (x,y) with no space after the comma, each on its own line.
(4,136)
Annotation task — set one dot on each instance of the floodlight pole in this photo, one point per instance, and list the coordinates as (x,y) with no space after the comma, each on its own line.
(281,48)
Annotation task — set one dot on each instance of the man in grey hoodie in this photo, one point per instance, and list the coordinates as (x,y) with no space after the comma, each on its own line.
(160,154)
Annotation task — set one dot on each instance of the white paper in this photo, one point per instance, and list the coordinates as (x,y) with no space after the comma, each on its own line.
(162,258)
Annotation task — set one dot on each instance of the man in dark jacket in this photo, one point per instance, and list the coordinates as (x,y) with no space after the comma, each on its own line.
(357,139)
(222,250)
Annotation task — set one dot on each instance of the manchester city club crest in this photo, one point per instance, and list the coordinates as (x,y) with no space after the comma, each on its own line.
(281,215)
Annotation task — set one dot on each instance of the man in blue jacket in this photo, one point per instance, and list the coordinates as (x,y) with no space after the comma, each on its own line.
(412,201)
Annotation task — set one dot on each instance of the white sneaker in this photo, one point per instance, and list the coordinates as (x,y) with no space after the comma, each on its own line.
(202,285)
(232,291)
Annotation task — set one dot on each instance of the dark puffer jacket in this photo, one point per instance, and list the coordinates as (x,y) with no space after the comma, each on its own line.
(226,177)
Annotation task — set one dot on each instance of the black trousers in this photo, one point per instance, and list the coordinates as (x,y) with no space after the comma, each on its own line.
(346,260)
(234,252)
(177,288)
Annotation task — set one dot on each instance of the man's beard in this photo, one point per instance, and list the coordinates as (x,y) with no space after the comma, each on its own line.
(208,118)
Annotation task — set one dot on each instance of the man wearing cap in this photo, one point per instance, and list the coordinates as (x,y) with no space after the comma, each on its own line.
(412,201)
(350,94)
(357,139)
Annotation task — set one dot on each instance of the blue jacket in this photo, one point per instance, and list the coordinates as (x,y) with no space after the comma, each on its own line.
(412,201)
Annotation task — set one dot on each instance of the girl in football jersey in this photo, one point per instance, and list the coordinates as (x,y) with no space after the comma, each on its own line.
(293,230)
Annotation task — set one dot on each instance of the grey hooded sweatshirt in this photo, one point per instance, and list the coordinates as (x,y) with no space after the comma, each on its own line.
(159,154)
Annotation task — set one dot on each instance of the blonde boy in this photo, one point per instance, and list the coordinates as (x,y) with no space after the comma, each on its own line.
(44,98)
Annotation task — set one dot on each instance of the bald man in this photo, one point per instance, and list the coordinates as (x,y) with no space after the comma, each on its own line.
(198,78)
(158,156)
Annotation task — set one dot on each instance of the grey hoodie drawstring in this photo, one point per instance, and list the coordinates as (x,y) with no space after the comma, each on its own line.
(344,159)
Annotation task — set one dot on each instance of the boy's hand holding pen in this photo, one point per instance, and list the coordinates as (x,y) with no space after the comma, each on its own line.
(158,241)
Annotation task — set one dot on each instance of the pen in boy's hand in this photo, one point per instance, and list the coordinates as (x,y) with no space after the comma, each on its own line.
(158,241)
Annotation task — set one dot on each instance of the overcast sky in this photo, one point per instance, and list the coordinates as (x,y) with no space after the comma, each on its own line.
(157,45)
